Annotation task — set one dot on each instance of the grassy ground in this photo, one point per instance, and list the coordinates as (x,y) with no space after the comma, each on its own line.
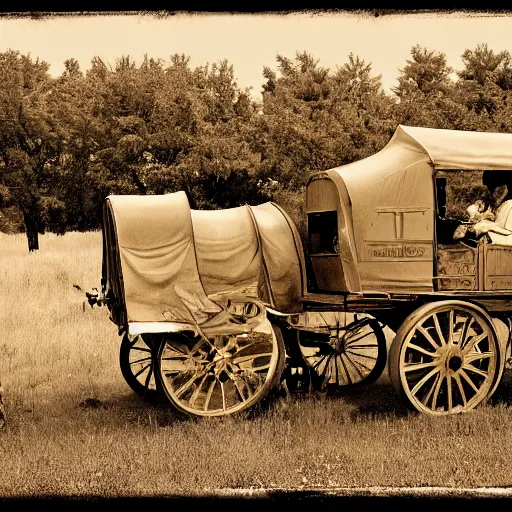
(55,355)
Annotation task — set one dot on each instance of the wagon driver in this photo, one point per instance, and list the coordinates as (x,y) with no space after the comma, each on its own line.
(498,225)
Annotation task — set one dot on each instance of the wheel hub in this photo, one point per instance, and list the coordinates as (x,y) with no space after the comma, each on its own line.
(455,363)
(451,358)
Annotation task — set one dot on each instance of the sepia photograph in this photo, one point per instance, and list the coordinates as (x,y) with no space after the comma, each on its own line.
(256,258)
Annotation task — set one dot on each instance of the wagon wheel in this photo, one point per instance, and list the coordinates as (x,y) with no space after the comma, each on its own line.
(344,355)
(223,374)
(137,365)
(446,358)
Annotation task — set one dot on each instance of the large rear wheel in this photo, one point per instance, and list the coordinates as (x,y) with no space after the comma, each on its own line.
(222,374)
(446,358)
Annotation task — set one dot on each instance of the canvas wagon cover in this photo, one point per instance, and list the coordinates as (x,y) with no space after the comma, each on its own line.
(391,200)
(162,259)
(395,174)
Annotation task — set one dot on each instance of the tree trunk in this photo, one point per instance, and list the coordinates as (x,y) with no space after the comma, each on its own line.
(32,232)
(138,182)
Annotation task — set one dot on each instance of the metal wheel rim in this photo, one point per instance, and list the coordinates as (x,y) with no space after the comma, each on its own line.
(220,375)
(140,362)
(353,352)
(448,361)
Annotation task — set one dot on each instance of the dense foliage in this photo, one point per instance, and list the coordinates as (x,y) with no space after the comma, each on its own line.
(157,127)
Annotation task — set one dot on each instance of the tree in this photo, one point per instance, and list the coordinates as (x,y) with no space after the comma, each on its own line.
(426,73)
(357,82)
(29,144)
(482,64)
(313,120)
(427,95)
(485,86)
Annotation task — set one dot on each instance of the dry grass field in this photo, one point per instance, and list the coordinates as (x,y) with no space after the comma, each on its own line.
(54,355)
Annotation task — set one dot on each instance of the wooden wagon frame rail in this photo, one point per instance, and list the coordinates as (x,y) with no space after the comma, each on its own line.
(374,301)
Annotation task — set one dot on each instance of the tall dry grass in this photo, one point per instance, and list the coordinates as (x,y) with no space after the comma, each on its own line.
(54,356)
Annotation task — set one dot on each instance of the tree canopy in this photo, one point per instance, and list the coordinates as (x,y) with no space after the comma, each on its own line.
(157,127)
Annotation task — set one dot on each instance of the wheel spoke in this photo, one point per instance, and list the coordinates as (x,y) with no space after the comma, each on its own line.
(340,371)
(148,378)
(464,336)
(428,337)
(345,371)
(438,385)
(438,330)
(410,367)
(328,372)
(477,356)
(471,368)
(209,395)
(238,378)
(137,361)
(187,385)
(171,354)
(422,381)
(176,348)
(417,348)
(178,356)
(141,370)
(223,395)
(473,342)
(467,378)
(432,388)
(352,360)
(250,344)
(245,359)
(362,347)
(366,356)
(197,392)
(456,377)
(236,382)
(333,371)
(260,368)
(467,324)
(351,341)
(450,332)
(354,365)
(449,391)
(321,364)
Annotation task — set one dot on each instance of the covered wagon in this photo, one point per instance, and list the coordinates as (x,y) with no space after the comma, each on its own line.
(218,300)
(188,290)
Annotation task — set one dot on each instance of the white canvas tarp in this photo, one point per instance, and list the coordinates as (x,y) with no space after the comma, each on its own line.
(170,258)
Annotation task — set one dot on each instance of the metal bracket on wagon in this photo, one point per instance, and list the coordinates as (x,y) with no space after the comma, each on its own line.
(297,321)
(96,298)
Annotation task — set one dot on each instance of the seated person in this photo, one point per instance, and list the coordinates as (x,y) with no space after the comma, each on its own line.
(495,219)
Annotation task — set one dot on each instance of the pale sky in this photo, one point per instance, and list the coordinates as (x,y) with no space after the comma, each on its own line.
(252,41)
